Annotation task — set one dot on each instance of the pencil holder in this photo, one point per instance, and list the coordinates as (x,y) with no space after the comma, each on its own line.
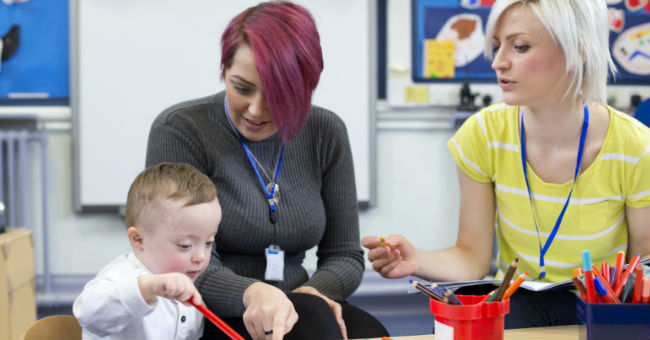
(471,320)
(613,320)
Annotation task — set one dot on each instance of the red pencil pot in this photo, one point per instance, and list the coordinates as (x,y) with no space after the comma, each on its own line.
(471,320)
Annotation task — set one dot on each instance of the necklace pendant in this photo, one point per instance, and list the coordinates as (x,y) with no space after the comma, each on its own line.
(274,190)
(273,215)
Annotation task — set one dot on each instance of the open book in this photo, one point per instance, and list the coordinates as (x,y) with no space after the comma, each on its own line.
(530,285)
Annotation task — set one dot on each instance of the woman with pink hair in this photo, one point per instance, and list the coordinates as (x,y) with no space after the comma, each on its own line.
(286,183)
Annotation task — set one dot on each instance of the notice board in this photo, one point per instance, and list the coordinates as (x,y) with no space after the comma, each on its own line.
(448,38)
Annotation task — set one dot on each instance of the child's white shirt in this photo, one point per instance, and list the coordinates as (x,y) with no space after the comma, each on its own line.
(112,307)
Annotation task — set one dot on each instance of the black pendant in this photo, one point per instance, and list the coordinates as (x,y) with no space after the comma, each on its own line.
(273,215)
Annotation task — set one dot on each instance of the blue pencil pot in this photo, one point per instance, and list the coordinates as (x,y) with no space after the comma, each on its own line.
(613,321)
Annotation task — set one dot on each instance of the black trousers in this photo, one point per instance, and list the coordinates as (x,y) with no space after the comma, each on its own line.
(315,321)
(534,309)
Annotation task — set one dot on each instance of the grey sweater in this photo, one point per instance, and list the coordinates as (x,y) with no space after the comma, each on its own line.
(317,207)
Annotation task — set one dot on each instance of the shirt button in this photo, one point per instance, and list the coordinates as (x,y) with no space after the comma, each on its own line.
(183,318)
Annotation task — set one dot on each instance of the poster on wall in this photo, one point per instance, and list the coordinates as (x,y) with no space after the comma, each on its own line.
(34,50)
(449,37)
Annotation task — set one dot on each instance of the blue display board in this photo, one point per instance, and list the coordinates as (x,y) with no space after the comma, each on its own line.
(39,69)
(465,21)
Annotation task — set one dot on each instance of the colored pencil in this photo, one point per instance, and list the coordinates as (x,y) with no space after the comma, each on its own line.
(428,292)
(628,290)
(580,287)
(602,291)
(620,260)
(436,288)
(589,276)
(217,321)
(506,279)
(490,296)
(638,283)
(451,297)
(621,284)
(513,287)
(606,286)
(645,293)
(604,269)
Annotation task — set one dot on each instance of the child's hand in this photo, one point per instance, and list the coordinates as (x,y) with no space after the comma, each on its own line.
(173,286)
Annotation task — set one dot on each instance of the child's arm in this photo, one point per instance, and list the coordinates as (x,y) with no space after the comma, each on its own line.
(110,302)
(173,286)
(114,299)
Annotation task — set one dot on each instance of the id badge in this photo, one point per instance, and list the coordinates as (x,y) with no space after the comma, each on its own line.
(274,264)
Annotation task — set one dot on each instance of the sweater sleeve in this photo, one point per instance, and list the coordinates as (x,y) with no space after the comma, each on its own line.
(340,258)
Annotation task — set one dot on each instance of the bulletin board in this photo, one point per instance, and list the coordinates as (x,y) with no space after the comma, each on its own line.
(449,35)
(38,69)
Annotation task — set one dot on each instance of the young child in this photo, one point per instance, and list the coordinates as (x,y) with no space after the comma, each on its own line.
(172,216)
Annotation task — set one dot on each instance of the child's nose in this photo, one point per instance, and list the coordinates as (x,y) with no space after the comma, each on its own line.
(200,256)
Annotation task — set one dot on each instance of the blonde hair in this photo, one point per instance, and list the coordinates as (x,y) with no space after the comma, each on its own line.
(580,28)
(166,181)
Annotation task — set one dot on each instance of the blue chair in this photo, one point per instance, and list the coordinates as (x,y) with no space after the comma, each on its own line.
(642,112)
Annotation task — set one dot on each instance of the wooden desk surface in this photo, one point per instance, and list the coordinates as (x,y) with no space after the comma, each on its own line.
(549,333)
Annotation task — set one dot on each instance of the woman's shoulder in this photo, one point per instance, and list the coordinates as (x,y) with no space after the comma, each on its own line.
(497,112)
(323,127)
(190,108)
(321,120)
(493,121)
(321,115)
(628,131)
(626,121)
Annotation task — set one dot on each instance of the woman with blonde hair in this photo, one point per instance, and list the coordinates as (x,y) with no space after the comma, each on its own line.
(552,171)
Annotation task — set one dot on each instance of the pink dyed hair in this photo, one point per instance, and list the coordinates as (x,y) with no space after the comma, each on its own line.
(286,45)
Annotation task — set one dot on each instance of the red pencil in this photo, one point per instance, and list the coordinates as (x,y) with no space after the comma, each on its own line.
(638,284)
(620,260)
(580,287)
(604,268)
(606,285)
(630,267)
(589,276)
(216,321)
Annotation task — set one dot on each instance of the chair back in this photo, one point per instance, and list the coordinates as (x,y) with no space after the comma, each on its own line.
(54,327)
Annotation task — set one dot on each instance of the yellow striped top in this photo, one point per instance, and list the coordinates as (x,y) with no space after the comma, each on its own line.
(487,149)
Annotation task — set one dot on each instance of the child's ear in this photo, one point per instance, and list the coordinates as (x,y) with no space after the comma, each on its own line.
(135,237)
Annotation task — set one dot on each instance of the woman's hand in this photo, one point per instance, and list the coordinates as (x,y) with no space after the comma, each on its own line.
(267,309)
(335,306)
(395,259)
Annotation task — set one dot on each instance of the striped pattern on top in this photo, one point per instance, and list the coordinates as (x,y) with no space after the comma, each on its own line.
(487,149)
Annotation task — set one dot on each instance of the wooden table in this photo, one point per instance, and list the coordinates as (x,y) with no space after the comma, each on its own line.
(548,333)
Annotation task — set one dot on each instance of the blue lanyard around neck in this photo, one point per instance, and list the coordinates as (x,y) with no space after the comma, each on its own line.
(547,244)
(269,195)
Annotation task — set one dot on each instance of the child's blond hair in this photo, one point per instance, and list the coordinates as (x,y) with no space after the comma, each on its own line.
(166,181)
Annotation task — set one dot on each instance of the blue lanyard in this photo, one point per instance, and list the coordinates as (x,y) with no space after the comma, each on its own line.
(583,136)
(272,210)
